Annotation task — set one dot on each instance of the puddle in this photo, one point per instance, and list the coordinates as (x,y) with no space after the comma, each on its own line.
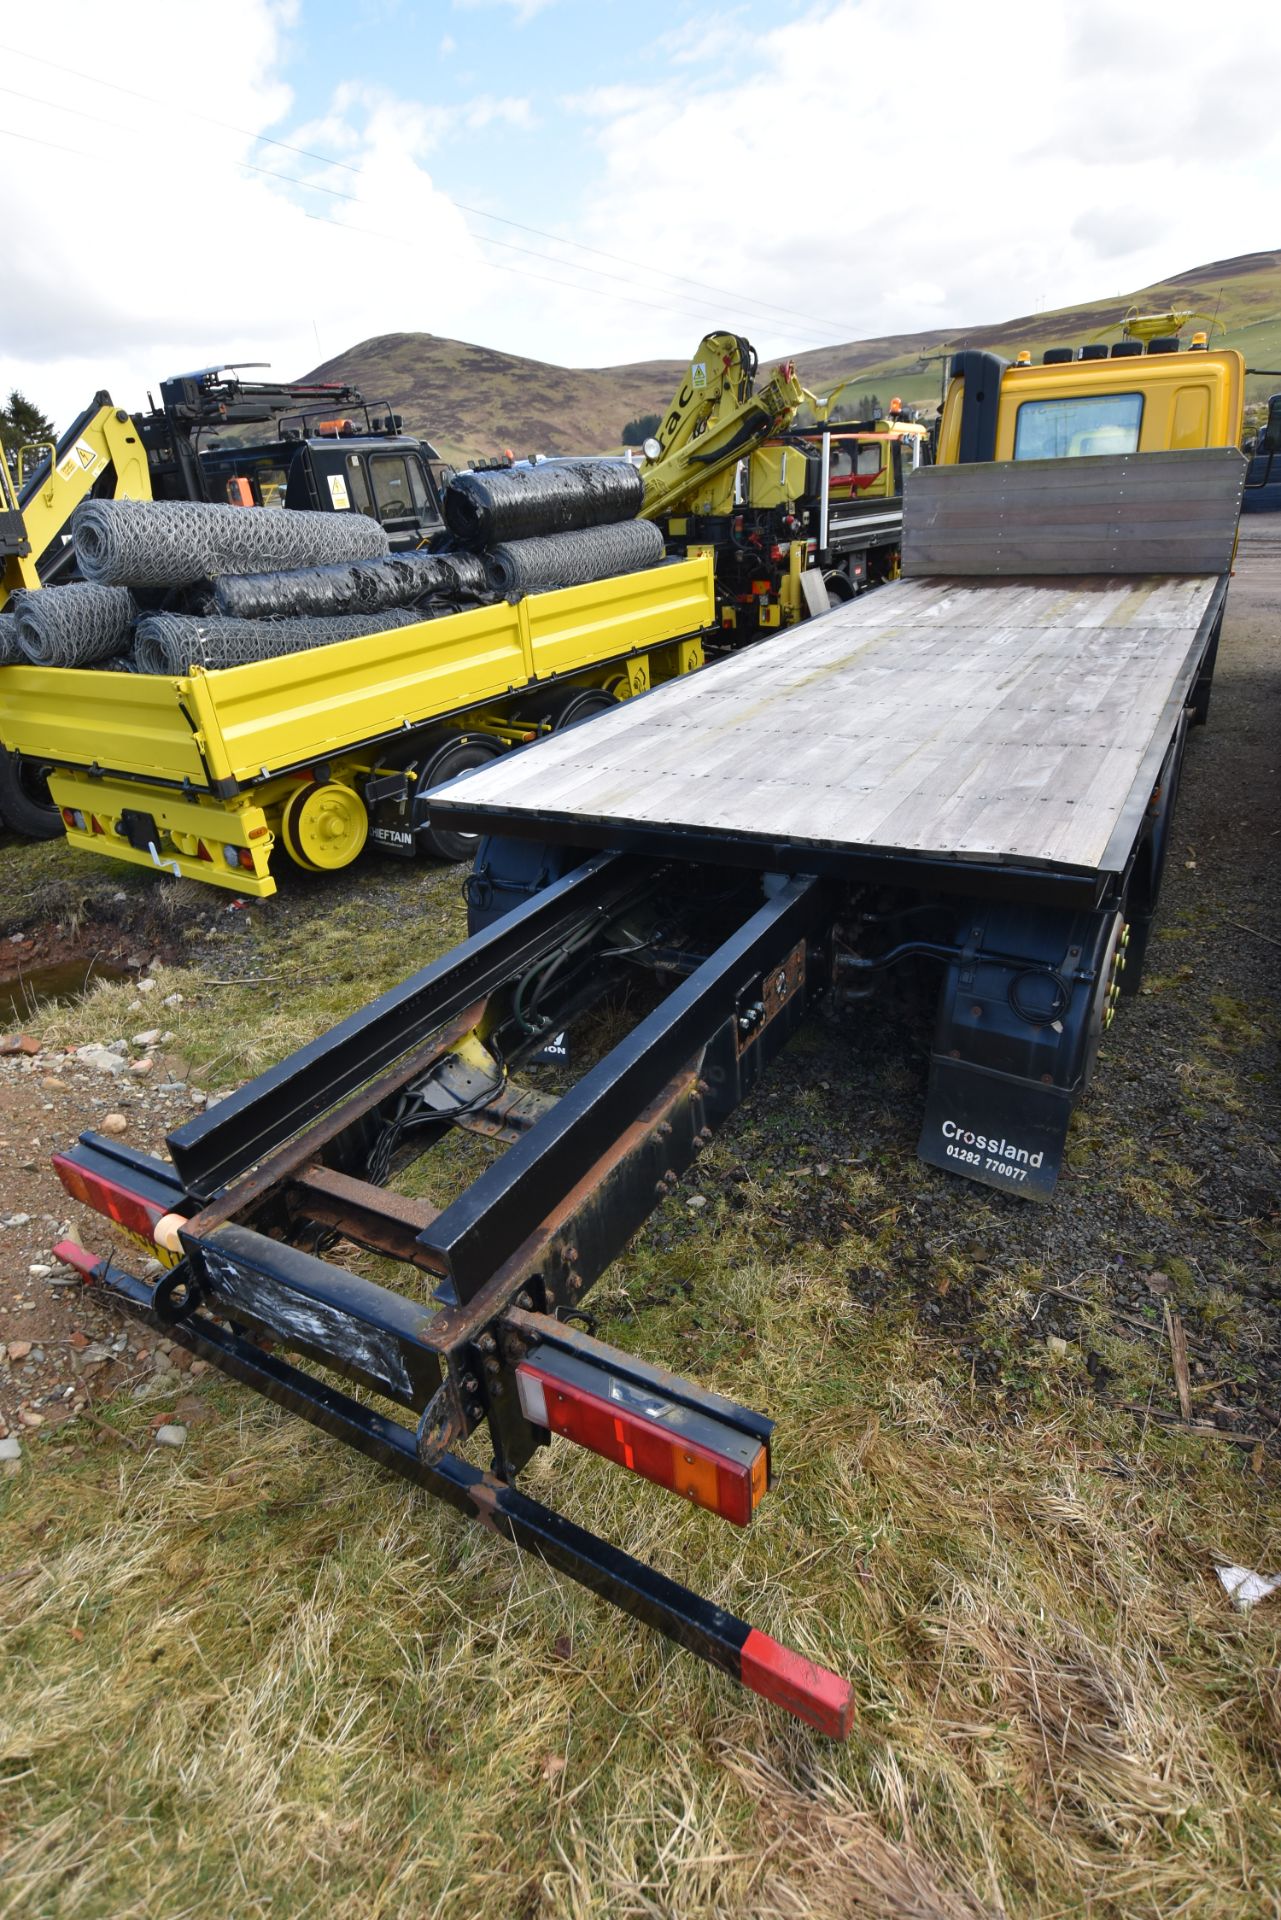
(42,986)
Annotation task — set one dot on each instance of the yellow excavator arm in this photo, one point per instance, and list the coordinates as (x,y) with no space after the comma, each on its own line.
(35,512)
(715,420)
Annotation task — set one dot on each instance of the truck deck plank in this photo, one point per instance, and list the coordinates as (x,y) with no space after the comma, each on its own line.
(965,718)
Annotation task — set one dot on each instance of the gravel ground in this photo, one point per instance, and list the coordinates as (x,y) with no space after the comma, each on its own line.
(1169,1200)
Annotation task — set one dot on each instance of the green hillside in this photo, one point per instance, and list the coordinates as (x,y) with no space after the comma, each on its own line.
(472,400)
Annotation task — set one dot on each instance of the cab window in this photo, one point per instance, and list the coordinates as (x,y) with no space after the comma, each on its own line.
(398,488)
(1082,424)
(358,486)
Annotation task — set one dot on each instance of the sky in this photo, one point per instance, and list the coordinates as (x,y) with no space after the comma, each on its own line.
(195,182)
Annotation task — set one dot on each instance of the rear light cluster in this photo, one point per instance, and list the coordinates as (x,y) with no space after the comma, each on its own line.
(80,822)
(129,1210)
(150,1220)
(703,1459)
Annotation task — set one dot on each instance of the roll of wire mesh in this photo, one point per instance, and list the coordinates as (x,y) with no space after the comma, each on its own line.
(573,559)
(174,642)
(360,586)
(174,543)
(560,496)
(74,626)
(11,653)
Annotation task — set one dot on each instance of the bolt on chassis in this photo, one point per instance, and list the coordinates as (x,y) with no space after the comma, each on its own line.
(279,1174)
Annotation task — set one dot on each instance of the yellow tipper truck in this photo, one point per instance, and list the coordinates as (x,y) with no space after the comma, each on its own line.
(206,773)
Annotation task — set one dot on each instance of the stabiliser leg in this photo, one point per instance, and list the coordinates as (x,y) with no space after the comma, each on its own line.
(811,1693)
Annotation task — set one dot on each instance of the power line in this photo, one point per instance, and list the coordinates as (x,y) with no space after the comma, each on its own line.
(343,226)
(311,186)
(188,111)
(842,329)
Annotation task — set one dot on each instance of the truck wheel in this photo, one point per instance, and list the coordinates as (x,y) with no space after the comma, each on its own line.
(24,798)
(583,706)
(443,842)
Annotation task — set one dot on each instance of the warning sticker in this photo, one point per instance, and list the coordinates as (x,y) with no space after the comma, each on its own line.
(81,459)
(698,373)
(338,492)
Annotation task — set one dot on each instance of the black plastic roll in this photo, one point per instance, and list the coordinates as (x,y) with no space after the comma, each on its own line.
(173,642)
(73,626)
(560,496)
(573,559)
(360,586)
(174,543)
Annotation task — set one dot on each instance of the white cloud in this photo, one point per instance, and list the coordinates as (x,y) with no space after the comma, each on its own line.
(894,164)
(447,46)
(168,254)
(871,165)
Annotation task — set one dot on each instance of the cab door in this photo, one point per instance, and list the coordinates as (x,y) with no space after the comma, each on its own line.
(403,500)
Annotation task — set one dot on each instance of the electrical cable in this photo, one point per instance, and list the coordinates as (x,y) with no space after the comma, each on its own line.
(481,213)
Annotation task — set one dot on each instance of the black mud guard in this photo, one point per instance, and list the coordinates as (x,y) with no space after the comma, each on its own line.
(1020,1018)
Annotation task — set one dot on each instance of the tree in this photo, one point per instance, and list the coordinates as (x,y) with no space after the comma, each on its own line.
(637,432)
(22,423)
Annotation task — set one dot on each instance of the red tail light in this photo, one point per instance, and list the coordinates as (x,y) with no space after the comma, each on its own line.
(703,1459)
(127,1209)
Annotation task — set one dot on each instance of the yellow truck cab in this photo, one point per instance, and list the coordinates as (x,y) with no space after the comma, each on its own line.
(1140,396)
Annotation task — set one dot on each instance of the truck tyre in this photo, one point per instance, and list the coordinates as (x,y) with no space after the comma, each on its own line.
(444,842)
(583,706)
(24,798)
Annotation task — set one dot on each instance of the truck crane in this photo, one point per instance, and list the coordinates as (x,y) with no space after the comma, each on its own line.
(796,516)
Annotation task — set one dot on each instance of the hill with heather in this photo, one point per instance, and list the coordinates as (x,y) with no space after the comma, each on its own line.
(470,400)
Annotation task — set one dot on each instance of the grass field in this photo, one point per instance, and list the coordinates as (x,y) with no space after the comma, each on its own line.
(471,400)
(257,1678)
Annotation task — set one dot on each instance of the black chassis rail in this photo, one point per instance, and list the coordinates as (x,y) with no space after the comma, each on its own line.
(517,1251)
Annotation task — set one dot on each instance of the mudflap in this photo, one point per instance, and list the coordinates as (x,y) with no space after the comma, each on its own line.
(1023,1008)
(998,1129)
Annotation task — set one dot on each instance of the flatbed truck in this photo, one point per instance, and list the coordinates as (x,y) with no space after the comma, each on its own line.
(973,771)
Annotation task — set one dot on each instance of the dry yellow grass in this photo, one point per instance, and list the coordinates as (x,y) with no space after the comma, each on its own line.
(259,1678)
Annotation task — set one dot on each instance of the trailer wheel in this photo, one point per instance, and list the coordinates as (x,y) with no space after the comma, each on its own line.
(25,804)
(440,841)
(568,705)
(1200,701)
(1144,890)
(324,827)
(584,706)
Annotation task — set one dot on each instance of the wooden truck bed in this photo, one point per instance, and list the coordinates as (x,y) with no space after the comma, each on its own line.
(970,715)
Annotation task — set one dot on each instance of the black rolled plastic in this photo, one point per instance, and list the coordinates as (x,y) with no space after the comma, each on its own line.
(574,559)
(360,586)
(560,496)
